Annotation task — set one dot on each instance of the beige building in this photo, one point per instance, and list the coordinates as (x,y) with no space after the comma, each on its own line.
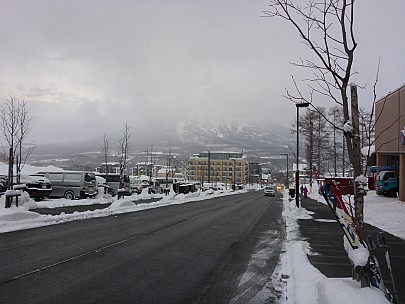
(222,167)
(390,134)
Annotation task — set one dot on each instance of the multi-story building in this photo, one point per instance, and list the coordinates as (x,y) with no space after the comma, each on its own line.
(255,173)
(223,167)
(142,169)
(390,134)
(110,167)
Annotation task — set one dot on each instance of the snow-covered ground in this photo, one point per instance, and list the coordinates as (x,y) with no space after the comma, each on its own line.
(304,283)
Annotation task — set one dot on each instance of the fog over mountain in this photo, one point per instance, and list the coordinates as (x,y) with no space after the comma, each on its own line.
(183,138)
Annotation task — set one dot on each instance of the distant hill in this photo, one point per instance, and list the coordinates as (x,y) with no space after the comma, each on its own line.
(257,140)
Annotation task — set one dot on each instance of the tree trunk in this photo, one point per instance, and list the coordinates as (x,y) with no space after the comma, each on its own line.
(359,190)
(362,273)
(10,177)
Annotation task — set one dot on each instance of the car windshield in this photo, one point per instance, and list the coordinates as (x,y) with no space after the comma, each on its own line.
(90,177)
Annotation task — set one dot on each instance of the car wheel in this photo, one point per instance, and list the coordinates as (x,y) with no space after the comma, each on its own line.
(111,192)
(393,193)
(69,195)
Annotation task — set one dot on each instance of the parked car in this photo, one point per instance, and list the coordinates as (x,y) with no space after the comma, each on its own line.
(102,184)
(72,184)
(138,183)
(3,183)
(387,183)
(269,191)
(116,181)
(38,187)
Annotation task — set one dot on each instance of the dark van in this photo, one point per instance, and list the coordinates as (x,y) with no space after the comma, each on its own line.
(72,184)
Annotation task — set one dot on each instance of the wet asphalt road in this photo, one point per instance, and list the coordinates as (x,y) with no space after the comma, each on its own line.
(189,253)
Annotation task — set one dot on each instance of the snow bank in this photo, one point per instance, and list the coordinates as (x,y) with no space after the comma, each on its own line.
(305,283)
(359,256)
(12,219)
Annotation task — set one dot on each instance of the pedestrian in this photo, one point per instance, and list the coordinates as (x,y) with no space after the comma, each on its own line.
(302,189)
(305,192)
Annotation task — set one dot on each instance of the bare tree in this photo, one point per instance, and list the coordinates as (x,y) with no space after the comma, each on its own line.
(124,146)
(315,129)
(327,29)
(22,152)
(335,115)
(106,151)
(15,124)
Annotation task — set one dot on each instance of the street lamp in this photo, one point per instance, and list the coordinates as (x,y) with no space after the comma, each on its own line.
(297,172)
(286,180)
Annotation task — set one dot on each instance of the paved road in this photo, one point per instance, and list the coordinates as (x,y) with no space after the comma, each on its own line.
(190,253)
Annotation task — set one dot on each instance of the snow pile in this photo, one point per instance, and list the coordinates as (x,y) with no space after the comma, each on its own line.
(359,256)
(366,151)
(347,127)
(362,183)
(14,214)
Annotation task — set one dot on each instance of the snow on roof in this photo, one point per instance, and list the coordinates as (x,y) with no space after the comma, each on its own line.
(28,169)
(365,150)
(390,93)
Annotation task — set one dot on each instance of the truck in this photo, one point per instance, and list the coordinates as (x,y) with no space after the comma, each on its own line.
(387,183)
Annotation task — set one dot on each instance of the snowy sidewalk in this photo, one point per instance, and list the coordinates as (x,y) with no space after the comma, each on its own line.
(325,238)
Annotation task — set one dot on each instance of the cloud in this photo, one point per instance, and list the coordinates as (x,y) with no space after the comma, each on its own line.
(95,64)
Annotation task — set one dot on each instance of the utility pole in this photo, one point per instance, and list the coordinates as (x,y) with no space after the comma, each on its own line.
(297,173)
(209,167)
(286,180)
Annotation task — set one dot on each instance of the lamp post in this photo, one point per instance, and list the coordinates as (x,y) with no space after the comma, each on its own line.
(286,180)
(297,172)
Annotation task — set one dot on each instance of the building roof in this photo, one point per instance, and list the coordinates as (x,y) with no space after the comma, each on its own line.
(218,155)
(390,93)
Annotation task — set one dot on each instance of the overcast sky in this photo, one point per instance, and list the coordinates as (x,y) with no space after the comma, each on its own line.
(86,66)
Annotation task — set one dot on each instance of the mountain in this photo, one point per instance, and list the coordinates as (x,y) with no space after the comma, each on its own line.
(234,135)
(258,139)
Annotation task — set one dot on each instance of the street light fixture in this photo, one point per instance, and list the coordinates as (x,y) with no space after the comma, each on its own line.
(297,172)
(286,180)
